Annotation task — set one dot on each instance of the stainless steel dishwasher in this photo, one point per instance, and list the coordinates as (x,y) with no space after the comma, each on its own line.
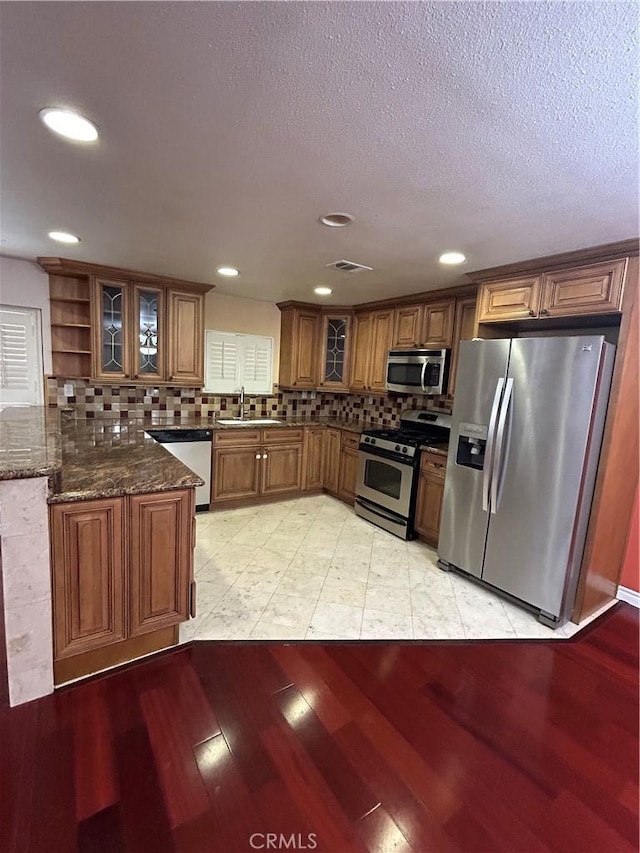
(193,448)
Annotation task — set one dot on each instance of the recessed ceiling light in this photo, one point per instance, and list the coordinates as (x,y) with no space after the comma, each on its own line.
(69,124)
(63,237)
(229,271)
(337,220)
(452,258)
(323,291)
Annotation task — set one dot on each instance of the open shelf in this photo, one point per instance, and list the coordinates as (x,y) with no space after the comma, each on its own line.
(78,301)
(76,351)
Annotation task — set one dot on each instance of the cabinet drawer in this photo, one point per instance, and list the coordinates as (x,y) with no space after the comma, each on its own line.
(433,463)
(236,437)
(276,435)
(350,440)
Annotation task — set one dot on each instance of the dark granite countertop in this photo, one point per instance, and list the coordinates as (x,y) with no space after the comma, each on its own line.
(107,456)
(29,442)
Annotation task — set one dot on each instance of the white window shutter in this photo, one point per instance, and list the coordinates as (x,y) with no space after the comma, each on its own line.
(236,360)
(221,367)
(20,360)
(256,362)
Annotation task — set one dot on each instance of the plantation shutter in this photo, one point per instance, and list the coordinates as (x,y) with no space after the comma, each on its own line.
(20,363)
(236,360)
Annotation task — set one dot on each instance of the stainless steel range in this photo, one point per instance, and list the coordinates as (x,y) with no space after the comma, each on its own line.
(389,467)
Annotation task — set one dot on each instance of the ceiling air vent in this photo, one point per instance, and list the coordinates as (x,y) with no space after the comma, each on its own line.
(348,266)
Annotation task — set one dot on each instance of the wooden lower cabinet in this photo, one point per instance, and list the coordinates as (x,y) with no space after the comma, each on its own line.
(348,475)
(429,499)
(87,561)
(160,546)
(121,567)
(331,474)
(281,469)
(314,441)
(272,467)
(236,472)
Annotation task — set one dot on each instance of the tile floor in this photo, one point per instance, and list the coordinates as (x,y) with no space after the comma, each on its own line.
(311,569)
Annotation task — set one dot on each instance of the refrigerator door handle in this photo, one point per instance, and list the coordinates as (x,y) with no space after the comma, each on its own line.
(488,456)
(500,433)
(424,370)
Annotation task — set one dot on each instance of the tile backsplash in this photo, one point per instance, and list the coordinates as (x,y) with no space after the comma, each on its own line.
(95,401)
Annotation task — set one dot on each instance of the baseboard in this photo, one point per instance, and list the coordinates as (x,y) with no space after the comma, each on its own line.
(628,595)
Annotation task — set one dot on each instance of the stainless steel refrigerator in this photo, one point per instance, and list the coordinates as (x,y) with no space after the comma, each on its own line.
(526,432)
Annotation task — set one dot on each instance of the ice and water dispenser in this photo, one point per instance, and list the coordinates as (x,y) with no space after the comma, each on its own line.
(472,441)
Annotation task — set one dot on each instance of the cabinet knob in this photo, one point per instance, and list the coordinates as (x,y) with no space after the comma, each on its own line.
(257,456)
(126,376)
(545,311)
(532,313)
(135,376)
(264,455)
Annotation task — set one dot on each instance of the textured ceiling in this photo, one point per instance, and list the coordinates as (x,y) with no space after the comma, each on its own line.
(505,130)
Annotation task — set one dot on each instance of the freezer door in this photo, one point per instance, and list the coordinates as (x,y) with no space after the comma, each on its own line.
(552,432)
(463,526)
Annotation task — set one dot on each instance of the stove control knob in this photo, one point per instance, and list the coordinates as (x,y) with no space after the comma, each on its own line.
(373,441)
(366,438)
(404,450)
(397,447)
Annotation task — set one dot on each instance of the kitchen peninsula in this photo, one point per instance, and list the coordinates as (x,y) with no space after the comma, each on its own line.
(97,479)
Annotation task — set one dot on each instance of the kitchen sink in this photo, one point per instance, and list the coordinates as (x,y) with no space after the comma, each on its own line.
(247,421)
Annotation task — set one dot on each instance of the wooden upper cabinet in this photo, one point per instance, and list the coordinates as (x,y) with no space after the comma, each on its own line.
(407,327)
(463,329)
(299,338)
(514,299)
(161,548)
(87,561)
(360,352)
(186,338)
(437,331)
(112,329)
(381,336)
(592,289)
(334,359)
(148,343)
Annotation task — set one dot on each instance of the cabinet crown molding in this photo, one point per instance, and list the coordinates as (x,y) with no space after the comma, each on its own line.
(592,254)
(71,267)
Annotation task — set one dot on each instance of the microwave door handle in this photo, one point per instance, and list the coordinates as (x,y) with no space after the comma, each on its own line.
(424,370)
(498,456)
(488,456)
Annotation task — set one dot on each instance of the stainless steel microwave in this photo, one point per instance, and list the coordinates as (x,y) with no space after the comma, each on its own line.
(418,371)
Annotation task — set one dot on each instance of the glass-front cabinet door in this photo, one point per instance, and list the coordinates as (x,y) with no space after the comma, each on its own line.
(111,350)
(148,344)
(335,352)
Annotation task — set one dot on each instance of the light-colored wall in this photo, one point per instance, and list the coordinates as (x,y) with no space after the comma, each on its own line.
(251,316)
(24,285)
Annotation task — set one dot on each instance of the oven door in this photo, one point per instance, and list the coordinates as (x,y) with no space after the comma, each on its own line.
(385,482)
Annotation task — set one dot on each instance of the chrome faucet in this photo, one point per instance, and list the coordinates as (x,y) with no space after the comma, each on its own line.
(242,403)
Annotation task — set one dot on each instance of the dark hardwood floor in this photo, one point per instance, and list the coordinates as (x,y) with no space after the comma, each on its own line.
(493,746)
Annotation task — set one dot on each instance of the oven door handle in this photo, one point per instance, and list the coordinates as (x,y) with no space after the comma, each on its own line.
(424,370)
